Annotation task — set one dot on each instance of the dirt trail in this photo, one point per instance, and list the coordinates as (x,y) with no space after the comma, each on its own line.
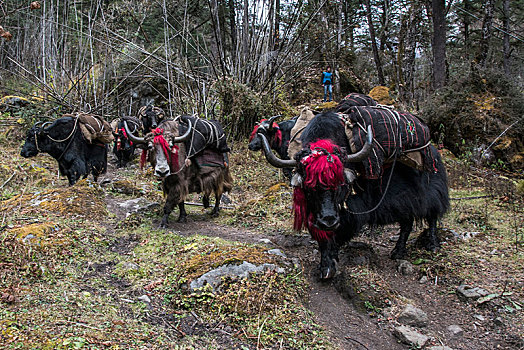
(347,325)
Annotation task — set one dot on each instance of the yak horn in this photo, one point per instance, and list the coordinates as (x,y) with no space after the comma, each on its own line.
(270,120)
(135,139)
(186,135)
(365,151)
(272,159)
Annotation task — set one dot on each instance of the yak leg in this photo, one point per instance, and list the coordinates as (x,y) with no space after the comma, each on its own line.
(183,215)
(168,208)
(433,242)
(205,201)
(216,208)
(328,258)
(400,248)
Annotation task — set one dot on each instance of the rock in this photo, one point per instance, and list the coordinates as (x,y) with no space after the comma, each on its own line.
(360,260)
(265,241)
(277,252)
(214,277)
(413,316)
(439,348)
(394,238)
(480,317)
(455,330)
(405,267)
(30,237)
(469,235)
(409,336)
(130,266)
(467,293)
(499,322)
(423,280)
(144,298)
(136,205)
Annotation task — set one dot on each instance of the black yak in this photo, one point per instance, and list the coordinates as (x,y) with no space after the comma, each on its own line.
(64,141)
(334,199)
(278,136)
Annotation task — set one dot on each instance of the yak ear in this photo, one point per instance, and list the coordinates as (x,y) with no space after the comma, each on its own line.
(296,180)
(350,176)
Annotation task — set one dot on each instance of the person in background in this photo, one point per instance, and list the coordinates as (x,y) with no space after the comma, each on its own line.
(327,82)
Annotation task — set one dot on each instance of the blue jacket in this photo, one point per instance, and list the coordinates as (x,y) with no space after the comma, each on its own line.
(327,78)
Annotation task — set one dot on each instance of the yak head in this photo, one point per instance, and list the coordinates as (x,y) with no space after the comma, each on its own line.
(122,141)
(270,129)
(160,147)
(321,184)
(35,139)
(151,117)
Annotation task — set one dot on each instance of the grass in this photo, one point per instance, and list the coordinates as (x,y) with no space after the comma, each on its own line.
(71,270)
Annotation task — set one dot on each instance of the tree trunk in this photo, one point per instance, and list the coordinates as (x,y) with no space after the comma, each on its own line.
(467,8)
(507,51)
(376,56)
(439,43)
(487,22)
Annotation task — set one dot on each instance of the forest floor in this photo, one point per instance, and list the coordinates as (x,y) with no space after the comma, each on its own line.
(81,268)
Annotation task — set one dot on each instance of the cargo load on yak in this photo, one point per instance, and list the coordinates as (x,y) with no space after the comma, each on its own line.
(93,127)
(396,136)
(205,134)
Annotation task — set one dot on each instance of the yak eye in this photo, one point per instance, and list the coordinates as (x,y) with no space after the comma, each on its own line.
(349,176)
(296,180)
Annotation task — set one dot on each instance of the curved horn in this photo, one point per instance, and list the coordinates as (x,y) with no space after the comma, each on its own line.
(365,151)
(133,138)
(45,125)
(186,135)
(274,160)
(270,120)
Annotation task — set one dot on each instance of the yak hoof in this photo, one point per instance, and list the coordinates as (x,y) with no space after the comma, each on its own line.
(398,254)
(214,214)
(328,273)
(182,219)
(205,202)
(432,247)
(163,224)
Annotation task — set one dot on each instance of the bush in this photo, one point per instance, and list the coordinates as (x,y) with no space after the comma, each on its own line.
(473,111)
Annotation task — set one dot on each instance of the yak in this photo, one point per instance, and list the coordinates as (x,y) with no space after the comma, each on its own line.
(207,171)
(354,99)
(64,141)
(123,147)
(334,202)
(150,116)
(278,136)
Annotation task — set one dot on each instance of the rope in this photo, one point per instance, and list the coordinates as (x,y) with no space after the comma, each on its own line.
(68,137)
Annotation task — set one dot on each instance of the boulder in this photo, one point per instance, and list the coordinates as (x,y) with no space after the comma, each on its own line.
(413,316)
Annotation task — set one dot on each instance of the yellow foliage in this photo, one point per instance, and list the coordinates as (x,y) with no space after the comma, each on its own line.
(484,102)
(274,188)
(84,198)
(503,143)
(381,95)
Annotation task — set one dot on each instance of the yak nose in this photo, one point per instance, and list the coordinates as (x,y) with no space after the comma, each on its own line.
(161,172)
(328,222)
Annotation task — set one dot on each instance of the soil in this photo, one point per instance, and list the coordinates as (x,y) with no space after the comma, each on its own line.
(336,308)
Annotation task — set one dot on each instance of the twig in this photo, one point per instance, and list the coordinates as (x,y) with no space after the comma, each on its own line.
(201,205)
(80,324)
(498,137)
(7,181)
(474,197)
(356,341)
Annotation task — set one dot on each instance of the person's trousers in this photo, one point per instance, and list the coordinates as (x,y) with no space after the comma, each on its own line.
(330,89)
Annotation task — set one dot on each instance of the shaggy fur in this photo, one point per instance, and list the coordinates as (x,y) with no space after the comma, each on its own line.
(76,157)
(412,195)
(190,177)
(278,139)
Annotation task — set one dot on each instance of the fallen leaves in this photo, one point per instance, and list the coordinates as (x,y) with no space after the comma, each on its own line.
(5,34)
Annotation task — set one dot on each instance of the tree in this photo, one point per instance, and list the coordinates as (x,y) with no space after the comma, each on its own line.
(439,43)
